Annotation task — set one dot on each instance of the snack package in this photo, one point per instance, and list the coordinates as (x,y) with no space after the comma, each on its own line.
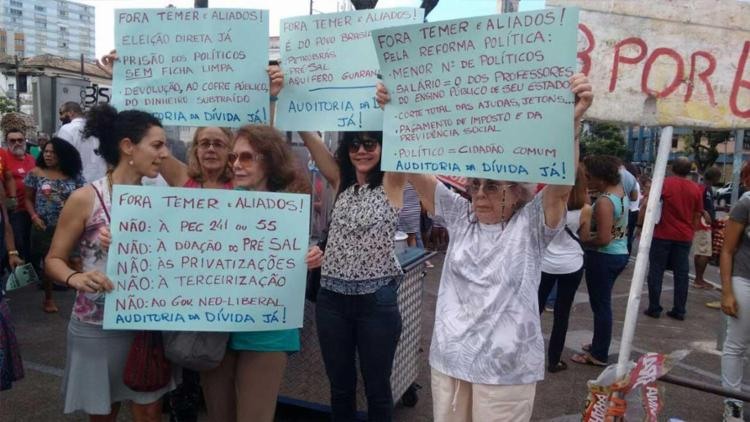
(637,396)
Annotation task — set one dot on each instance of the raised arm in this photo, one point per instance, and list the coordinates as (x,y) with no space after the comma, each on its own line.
(322,157)
(425,185)
(174,171)
(555,197)
(276,79)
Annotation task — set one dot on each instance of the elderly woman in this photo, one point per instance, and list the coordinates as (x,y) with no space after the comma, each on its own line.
(487,351)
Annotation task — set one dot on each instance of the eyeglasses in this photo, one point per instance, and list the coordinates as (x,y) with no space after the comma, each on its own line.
(206,145)
(369,144)
(490,187)
(245,157)
(16,141)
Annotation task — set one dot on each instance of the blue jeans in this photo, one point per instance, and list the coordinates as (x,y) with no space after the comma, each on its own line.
(677,256)
(601,272)
(370,326)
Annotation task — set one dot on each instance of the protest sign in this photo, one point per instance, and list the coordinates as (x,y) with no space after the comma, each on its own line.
(331,69)
(481,97)
(667,63)
(193,67)
(206,259)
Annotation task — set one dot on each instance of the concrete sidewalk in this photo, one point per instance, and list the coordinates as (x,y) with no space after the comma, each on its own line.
(42,339)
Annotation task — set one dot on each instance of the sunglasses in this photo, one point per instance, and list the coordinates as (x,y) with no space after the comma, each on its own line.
(205,145)
(490,187)
(369,144)
(245,158)
(16,141)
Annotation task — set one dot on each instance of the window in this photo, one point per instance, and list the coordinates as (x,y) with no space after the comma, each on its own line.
(62,44)
(16,12)
(39,8)
(63,30)
(62,13)
(16,3)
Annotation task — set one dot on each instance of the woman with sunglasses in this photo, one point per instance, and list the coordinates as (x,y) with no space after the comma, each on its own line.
(134,144)
(487,351)
(356,309)
(245,385)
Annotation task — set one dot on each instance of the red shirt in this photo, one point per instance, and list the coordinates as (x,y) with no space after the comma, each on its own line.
(19,168)
(681,200)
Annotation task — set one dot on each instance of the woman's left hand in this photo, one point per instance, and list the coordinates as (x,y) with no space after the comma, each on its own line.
(381,95)
(581,87)
(314,258)
(276,76)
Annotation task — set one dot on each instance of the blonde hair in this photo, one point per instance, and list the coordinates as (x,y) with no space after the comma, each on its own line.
(194,166)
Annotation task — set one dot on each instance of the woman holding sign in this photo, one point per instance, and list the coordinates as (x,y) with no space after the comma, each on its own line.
(487,351)
(356,310)
(134,144)
(246,384)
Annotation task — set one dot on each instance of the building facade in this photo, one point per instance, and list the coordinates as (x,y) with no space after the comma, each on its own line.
(34,27)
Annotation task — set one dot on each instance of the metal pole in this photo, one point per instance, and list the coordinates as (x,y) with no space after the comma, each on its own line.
(707,388)
(18,84)
(739,149)
(644,245)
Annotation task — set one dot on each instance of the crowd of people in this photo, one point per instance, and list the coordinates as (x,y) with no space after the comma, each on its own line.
(508,245)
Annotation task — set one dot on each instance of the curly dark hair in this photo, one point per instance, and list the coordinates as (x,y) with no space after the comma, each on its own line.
(603,167)
(278,161)
(68,157)
(347,173)
(110,127)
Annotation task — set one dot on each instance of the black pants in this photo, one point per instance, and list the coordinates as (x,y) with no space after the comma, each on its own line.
(567,284)
(370,326)
(20,221)
(632,220)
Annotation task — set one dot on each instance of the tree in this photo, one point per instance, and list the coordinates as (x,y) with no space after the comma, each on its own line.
(705,156)
(604,139)
(6,105)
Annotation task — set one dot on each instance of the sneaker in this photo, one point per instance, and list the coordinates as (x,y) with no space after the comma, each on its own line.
(429,264)
(549,308)
(733,412)
(652,314)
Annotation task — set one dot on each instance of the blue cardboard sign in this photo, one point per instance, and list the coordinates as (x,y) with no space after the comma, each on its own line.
(206,259)
(193,67)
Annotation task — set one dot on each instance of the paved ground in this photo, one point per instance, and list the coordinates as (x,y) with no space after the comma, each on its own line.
(42,339)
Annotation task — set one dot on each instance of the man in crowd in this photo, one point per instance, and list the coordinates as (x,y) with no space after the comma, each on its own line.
(71,116)
(702,242)
(682,206)
(19,164)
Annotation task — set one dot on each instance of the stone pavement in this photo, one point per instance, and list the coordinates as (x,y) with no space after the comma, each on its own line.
(42,339)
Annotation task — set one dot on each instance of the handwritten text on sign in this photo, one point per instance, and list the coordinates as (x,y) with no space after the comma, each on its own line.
(331,69)
(646,69)
(193,67)
(482,97)
(206,259)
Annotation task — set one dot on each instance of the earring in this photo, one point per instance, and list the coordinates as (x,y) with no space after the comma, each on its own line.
(130,162)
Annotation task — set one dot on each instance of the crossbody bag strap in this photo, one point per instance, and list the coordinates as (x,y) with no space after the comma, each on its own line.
(101,201)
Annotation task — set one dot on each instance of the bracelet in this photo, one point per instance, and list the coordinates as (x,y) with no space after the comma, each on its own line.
(13,253)
(67,280)
(273,98)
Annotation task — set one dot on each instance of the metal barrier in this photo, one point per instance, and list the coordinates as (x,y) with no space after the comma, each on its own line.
(705,387)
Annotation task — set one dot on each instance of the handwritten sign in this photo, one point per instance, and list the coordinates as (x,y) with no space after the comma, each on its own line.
(193,67)
(206,259)
(481,97)
(331,69)
(647,69)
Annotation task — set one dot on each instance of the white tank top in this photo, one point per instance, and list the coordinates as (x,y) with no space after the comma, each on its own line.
(564,254)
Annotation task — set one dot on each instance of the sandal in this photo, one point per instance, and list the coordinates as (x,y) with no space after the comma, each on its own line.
(586,347)
(587,359)
(50,307)
(559,366)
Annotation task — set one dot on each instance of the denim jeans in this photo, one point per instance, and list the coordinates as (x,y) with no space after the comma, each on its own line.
(676,255)
(601,272)
(737,342)
(566,285)
(370,326)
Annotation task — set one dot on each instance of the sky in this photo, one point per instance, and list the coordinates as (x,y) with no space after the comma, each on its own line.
(278,9)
